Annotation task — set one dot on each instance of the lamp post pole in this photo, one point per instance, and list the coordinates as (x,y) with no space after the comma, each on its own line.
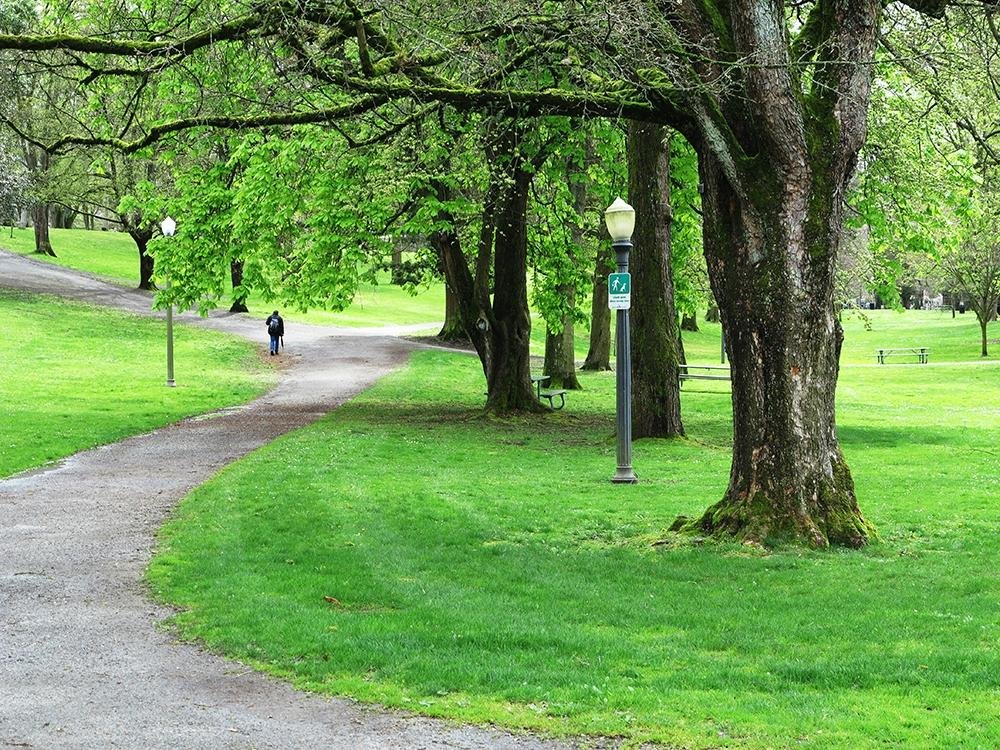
(623,375)
(168,226)
(620,220)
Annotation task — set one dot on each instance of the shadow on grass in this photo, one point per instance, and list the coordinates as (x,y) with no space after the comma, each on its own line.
(434,414)
(894,437)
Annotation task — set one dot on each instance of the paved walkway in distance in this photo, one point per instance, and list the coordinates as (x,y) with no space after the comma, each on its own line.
(83,663)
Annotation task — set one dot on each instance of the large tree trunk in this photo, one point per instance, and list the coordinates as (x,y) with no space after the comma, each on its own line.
(771,268)
(599,353)
(656,410)
(40,218)
(776,153)
(239,292)
(141,238)
(509,379)
(690,323)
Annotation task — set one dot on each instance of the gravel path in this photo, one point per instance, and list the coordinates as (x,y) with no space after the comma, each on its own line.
(82,661)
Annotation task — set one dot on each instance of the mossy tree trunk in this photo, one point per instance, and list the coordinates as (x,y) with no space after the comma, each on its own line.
(775,162)
(771,267)
(656,404)
(499,329)
(509,386)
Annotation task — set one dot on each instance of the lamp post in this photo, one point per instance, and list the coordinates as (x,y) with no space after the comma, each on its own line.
(620,220)
(168,226)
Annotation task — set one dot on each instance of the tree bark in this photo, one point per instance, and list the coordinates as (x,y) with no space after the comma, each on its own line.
(656,409)
(599,353)
(141,237)
(984,322)
(239,293)
(771,268)
(509,378)
(712,316)
(690,323)
(471,306)
(40,219)
(452,330)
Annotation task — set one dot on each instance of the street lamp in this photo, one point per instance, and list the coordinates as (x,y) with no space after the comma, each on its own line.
(620,220)
(168,226)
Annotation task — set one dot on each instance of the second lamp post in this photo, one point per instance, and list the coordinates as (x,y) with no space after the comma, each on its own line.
(620,220)
(168,226)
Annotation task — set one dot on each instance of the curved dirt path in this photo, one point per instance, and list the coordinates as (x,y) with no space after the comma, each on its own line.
(82,661)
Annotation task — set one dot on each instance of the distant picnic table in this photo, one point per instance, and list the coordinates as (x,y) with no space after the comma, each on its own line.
(703,372)
(922,353)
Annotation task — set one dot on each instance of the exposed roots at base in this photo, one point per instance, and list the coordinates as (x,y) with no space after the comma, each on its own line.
(759,523)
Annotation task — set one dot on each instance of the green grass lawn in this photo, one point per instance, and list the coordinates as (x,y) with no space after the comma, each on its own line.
(74,376)
(409,551)
(114,256)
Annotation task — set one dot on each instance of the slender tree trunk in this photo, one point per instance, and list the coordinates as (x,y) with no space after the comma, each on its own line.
(396,267)
(789,480)
(984,322)
(473,302)
(656,409)
(240,293)
(141,238)
(560,363)
(560,347)
(40,218)
(599,353)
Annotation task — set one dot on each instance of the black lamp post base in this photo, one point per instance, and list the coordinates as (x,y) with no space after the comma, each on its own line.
(624,475)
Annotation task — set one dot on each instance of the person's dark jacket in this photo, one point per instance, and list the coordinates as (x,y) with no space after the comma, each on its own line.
(281,324)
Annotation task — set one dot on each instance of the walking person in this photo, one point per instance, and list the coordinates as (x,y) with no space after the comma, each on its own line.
(276,330)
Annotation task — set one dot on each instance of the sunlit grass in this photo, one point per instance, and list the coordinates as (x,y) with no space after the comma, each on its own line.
(114,256)
(74,376)
(409,551)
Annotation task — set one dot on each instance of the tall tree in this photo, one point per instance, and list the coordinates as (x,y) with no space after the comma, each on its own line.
(656,408)
(773,98)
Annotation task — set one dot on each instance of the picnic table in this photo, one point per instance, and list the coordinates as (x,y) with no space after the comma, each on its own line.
(922,353)
(712,372)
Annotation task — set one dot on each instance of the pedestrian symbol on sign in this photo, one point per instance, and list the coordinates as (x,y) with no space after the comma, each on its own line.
(619,291)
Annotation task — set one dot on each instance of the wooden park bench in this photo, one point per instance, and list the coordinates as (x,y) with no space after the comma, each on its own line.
(922,353)
(711,372)
(549,394)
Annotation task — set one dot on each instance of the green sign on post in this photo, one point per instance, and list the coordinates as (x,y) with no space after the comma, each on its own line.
(619,291)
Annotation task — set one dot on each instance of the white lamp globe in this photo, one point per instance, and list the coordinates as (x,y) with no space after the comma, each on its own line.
(620,220)
(168,226)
